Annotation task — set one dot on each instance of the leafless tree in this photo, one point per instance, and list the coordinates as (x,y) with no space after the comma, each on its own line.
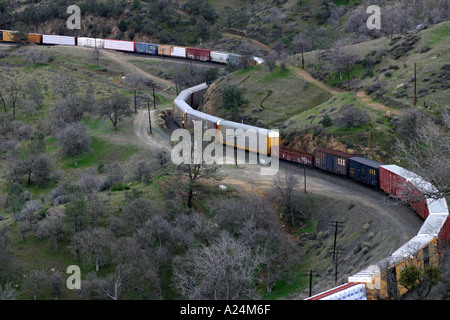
(95,56)
(74,140)
(115,108)
(93,246)
(7,292)
(133,273)
(291,199)
(27,218)
(194,174)
(34,56)
(6,256)
(14,93)
(51,228)
(64,84)
(35,282)
(225,270)
(351,116)
(427,154)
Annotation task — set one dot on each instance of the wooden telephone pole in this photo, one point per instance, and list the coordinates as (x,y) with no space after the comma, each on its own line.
(149,116)
(415,84)
(311,274)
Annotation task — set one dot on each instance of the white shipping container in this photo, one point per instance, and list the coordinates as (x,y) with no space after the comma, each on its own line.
(218,56)
(90,42)
(178,52)
(118,45)
(62,40)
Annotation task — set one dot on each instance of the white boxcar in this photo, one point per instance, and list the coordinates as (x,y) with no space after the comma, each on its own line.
(218,56)
(90,42)
(119,45)
(178,52)
(61,40)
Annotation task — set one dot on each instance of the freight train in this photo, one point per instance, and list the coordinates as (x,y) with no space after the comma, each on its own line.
(196,54)
(392,180)
(374,282)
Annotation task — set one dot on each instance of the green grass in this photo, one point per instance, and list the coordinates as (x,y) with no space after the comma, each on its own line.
(101,150)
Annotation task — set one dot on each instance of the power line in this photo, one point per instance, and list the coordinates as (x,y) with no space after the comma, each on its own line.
(336,224)
(311,274)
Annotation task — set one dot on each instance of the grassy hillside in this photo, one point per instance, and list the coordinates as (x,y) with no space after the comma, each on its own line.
(381,88)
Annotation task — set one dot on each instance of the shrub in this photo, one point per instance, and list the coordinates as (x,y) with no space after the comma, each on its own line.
(120,187)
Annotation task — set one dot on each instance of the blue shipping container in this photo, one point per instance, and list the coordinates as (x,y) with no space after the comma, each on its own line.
(364,170)
(147,48)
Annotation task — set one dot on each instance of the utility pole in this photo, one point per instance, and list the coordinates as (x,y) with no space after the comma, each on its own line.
(135,102)
(304,176)
(348,74)
(311,274)
(176,87)
(235,149)
(336,224)
(303,60)
(415,84)
(337,251)
(149,116)
(154,97)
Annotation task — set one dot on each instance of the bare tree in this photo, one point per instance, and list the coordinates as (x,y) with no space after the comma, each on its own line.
(351,116)
(14,93)
(7,292)
(427,154)
(51,228)
(116,108)
(225,270)
(285,186)
(133,273)
(74,140)
(194,174)
(93,246)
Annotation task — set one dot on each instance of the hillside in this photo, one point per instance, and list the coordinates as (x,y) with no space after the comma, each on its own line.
(279,24)
(382,88)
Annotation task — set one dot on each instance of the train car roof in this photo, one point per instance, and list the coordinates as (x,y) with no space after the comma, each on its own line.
(416,180)
(203,115)
(437,206)
(199,87)
(433,225)
(369,162)
(237,125)
(335,152)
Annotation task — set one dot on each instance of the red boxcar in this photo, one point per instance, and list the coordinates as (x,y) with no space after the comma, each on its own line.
(444,234)
(406,186)
(199,54)
(296,156)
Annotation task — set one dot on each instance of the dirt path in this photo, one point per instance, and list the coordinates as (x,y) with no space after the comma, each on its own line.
(159,139)
(306,76)
(363,97)
(254,41)
(116,56)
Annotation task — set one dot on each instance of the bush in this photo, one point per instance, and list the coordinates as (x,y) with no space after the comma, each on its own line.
(120,187)
(327,121)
